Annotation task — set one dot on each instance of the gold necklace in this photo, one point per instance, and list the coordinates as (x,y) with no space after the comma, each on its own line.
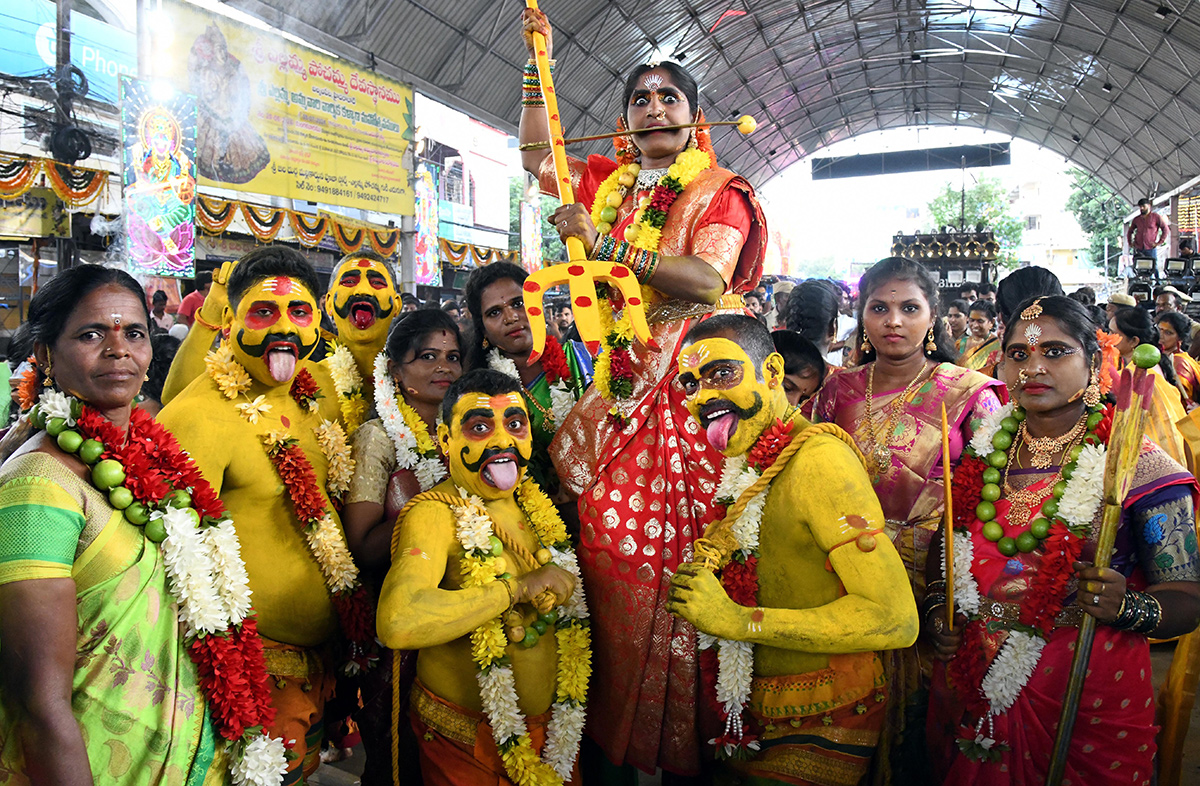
(879,457)
(1042,450)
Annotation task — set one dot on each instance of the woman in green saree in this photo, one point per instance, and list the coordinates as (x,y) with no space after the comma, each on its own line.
(97,683)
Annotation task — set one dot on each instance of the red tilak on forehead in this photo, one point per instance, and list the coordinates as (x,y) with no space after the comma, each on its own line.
(364,263)
(280,285)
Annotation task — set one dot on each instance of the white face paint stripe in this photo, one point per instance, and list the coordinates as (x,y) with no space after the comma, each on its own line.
(652,81)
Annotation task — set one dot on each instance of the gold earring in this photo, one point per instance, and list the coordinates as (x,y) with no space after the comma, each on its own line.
(866,344)
(485,343)
(48,373)
(930,344)
(1091,394)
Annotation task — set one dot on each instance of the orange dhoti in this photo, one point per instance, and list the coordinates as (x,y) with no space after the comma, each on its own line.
(456,744)
(818,728)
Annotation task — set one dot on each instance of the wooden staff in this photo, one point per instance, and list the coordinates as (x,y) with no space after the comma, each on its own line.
(1134,396)
(745,124)
(949,514)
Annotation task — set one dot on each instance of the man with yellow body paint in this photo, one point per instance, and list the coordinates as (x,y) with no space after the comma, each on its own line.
(831,590)
(425,606)
(271,325)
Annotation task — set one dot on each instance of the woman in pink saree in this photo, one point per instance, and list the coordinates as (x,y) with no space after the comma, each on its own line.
(891,405)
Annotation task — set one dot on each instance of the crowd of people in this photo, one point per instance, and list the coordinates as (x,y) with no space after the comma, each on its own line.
(717,557)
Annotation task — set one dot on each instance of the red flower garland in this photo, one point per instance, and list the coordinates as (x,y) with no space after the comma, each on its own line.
(965,484)
(232,672)
(356,613)
(554,361)
(769,445)
(305,390)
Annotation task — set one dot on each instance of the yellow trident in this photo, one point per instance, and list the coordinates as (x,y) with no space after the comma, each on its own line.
(579,273)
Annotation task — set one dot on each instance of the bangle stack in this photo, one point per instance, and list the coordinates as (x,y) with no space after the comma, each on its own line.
(642,262)
(932,602)
(512,595)
(531,85)
(1140,613)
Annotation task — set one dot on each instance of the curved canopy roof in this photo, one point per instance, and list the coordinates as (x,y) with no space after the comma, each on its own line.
(1112,85)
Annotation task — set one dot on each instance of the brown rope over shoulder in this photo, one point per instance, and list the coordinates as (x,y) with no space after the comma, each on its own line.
(714,550)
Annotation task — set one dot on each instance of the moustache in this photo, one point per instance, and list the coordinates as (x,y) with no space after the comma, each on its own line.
(722,405)
(488,454)
(258,350)
(343,310)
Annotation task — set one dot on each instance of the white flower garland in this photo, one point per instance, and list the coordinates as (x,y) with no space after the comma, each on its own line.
(56,404)
(263,763)
(1018,657)
(344,371)
(497,686)
(562,400)
(429,470)
(735,659)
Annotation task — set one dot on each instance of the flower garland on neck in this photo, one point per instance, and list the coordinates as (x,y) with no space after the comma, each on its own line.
(415,449)
(558,377)
(614,369)
(348,384)
(159,488)
(483,564)
(322,534)
(735,659)
(1061,530)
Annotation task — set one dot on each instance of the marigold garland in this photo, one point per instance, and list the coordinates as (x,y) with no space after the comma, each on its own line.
(475,532)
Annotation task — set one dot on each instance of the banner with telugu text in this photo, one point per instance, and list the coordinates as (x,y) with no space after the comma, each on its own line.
(281,119)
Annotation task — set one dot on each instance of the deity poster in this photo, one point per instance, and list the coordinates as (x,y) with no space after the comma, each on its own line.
(427,268)
(158,136)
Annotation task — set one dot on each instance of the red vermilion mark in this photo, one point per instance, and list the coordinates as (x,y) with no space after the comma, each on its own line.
(583,301)
(858,522)
(756,615)
(575,270)
(619,271)
(634,301)
(364,263)
(534,311)
(414,552)
(280,285)
(532,286)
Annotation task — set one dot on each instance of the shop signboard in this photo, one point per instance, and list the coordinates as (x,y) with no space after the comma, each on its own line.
(36,213)
(158,136)
(279,118)
(103,52)
(427,269)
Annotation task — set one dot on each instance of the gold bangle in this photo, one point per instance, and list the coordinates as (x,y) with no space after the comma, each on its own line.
(512,595)
(203,322)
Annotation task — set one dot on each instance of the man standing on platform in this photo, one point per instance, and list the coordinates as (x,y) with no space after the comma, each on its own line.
(1147,232)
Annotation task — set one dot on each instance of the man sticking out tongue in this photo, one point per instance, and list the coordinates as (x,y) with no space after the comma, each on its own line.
(483,584)
(257,384)
(796,584)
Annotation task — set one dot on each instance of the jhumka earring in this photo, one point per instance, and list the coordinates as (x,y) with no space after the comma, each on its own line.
(866,343)
(1091,394)
(48,372)
(930,343)
(485,343)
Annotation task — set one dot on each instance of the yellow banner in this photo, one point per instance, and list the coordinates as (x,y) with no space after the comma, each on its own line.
(36,213)
(281,119)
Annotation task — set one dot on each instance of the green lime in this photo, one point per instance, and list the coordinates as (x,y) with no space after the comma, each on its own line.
(1069,470)
(1050,508)
(998,459)
(1074,453)
(1094,419)
(540,626)
(993,531)
(55,426)
(194,515)
(1007,546)
(608,214)
(70,440)
(1146,356)
(1026,542)
(1010,424)
(505,575)
(1018,414)
(108,473)
(156,530)
(138,514)
(120,498)
(1040,528)
(497,546)
(991,475)
(178,498)
(1002,440)
(1060,488)
(37,417)
(531,637)
(550,617)
(990,492)
(91,450)
(985,510)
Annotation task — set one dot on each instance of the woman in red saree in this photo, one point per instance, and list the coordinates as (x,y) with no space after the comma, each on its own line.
(644,473)
(891,405)
(1023,581)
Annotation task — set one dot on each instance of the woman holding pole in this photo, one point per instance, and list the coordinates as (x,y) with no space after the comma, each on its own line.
(691,233)
(1030,492)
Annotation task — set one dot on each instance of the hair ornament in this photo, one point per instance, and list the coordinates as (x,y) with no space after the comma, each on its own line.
(1032,311)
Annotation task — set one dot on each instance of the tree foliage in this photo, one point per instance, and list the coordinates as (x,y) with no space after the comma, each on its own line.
(987,204)
(1100,212)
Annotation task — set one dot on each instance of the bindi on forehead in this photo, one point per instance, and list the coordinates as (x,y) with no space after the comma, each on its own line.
(652,81)
(365,263)
(695,356)
(279,285)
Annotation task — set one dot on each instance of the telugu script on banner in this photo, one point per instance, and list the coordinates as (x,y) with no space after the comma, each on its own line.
(281,119)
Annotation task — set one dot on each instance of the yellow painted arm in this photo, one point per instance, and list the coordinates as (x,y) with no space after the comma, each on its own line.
(414,610)
(189,361)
